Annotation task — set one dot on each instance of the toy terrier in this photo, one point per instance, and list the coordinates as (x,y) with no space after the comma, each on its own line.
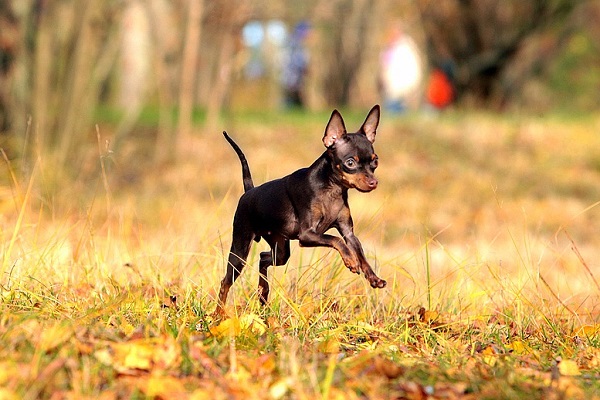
(304,205)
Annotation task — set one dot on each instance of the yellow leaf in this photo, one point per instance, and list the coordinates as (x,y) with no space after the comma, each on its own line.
(165,387)
(126,328)
(362,327)
(104,356)
(240,378)
(7,394)
(490,360)
(587,330)
(203,394)
(489,351)
(568,368)
(253,323)
(430,316)
(53,336)
(230,327)
(280,388)
(489,356)
(7,372)
(518,347)
(330,343)
(136,354)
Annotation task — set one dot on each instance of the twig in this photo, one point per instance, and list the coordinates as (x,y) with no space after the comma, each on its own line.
(581,260)
(556,296)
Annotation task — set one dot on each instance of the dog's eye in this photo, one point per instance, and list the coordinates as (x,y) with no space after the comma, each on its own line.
(375,163)
(350,163)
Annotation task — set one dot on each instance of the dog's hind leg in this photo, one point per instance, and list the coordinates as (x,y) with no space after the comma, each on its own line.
(240,247)
(278,255)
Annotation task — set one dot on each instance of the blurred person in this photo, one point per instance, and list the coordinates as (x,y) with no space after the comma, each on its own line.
(401,72)
(295,66)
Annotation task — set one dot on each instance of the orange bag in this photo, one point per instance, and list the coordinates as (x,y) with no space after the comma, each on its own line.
(440,92)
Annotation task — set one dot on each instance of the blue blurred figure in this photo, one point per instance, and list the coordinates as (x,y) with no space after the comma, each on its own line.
(295,66)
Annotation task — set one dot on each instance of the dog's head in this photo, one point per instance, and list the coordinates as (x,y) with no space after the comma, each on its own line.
(352,154)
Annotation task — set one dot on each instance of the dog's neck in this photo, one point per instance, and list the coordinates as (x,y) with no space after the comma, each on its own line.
(324,170)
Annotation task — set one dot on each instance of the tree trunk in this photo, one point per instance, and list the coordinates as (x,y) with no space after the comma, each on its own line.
(189,70)
(221,81)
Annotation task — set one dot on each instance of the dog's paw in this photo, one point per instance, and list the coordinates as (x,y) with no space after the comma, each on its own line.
(218,315)
(353,264)
(354,268)
(377,283)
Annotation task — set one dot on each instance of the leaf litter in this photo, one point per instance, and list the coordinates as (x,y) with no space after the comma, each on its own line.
(424,355)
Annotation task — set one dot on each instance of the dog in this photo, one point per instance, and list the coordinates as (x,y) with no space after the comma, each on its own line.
(304,205)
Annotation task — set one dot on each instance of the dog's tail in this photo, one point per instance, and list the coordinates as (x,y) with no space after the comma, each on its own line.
(246,176)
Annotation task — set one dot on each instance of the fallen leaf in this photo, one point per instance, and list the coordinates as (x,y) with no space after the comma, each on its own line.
(167,353)
(229,327)
(518,347)
(330,342)
(263,365)
(430,316)
(7,394)
(105,356)
(568,368)
(446,390)
(280,388)
(53,336)
(594,357)
(129,356)
(587,331)
(490,355)
(250,323)
(204,394)
(388,368)
(253,323)
(165,388)
(412,391)
(7,371)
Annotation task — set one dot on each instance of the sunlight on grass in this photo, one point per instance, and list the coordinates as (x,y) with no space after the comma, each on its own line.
(484,227)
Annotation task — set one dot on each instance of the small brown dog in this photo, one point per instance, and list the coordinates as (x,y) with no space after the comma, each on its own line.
(305,204)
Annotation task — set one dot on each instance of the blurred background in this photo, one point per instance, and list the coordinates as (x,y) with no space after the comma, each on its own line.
(163,69)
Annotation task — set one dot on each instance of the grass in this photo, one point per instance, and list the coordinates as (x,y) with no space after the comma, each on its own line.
(484,226)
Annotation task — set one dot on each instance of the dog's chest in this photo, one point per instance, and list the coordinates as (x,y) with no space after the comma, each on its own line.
(325,212)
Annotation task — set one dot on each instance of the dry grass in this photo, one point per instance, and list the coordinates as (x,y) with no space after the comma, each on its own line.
(488,223)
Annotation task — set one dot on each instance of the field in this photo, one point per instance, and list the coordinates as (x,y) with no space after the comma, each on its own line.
(485,227)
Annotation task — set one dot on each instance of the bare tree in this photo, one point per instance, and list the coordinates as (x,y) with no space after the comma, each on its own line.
(343,35)
(189,64)
(9,46)
(228,20)
(61,68)
(166,43)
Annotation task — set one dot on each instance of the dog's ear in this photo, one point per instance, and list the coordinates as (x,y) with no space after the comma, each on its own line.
(335,129)
(369,127)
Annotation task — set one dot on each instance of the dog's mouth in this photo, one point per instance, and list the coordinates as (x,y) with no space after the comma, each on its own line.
(365,190)
(361,183)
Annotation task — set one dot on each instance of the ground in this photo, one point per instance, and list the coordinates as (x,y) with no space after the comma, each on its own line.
(484,226)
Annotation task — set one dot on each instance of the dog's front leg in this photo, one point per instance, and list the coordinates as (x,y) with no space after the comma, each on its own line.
(354,244)
(311,238)
(346,229)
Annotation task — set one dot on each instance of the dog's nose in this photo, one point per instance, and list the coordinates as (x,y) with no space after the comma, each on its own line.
(372,183)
